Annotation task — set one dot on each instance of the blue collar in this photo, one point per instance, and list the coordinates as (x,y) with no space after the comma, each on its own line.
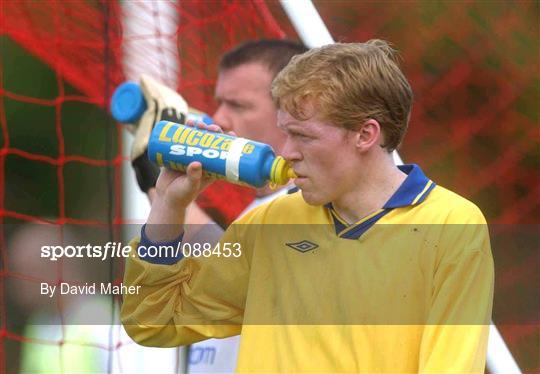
(414,190)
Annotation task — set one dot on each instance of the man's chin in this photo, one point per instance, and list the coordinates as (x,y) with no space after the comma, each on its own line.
(312,199)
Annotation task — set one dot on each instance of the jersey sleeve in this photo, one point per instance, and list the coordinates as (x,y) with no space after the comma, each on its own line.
(191,300)
(456,333)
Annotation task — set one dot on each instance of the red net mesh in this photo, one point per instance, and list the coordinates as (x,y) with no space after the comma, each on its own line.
(473,66)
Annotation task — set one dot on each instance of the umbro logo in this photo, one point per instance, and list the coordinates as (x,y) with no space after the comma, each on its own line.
(303,246)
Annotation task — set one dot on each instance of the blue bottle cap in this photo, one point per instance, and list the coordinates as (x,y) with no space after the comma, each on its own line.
(207,120)
(127,102)
(200,117)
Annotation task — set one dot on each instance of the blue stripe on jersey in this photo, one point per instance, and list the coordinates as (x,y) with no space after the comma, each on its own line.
(413,191)
(359,229)
(340,226)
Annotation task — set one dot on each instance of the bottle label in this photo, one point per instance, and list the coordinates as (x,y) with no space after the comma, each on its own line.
(224,156)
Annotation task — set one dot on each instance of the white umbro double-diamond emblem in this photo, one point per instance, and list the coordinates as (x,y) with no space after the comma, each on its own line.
(303,246)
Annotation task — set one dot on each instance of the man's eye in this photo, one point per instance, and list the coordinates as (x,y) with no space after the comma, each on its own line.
(237,106)
(299,135)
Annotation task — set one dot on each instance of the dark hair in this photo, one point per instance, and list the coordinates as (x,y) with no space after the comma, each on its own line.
(274,53)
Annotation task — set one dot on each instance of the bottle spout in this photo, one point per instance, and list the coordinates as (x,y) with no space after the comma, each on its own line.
(281,172)
(290,173)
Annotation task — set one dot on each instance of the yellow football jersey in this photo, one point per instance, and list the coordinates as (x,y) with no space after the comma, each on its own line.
(408,288)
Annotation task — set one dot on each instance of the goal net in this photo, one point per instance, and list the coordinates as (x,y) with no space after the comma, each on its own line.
(473,66)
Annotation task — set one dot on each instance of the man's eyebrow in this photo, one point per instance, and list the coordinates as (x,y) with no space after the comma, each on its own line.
(288,124)
(293,127)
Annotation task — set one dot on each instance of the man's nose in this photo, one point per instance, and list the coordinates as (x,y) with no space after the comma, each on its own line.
(221,119)
(290,152)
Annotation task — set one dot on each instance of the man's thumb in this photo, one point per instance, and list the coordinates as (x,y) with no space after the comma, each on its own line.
(194,174)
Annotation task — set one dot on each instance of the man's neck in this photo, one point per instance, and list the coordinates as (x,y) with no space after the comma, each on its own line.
(374,189)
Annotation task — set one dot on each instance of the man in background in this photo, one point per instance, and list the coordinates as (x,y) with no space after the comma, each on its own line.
(242,92)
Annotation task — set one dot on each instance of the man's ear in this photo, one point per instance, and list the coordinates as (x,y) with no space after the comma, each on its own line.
(368,135)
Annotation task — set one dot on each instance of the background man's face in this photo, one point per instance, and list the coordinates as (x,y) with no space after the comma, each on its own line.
(245,104)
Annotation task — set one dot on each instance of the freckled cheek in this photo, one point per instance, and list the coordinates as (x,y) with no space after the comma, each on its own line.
(331,175)
(328,167)
(321,177)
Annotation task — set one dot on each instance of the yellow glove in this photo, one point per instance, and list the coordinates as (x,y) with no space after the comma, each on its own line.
(163,104)
(142,106)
